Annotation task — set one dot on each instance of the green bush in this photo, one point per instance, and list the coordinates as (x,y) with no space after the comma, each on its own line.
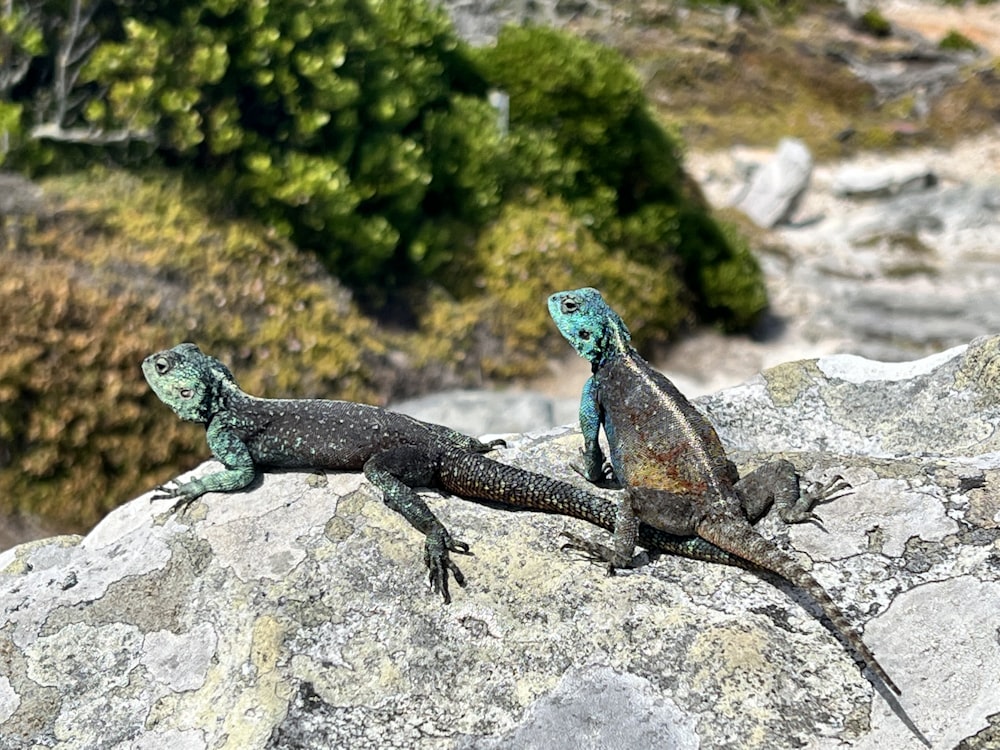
(958,42)
(874,23)
(616,167)
(126,267)
(361,131)
(348,126)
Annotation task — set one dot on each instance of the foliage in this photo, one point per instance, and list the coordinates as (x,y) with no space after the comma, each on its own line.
(873,22)
(617,168)
(361,130)
(127,267)
(346,125)
(76,424)
(957,41)
(534,249)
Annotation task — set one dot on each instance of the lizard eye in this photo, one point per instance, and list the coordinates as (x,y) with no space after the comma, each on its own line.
(583,335)
(186,393)
(570,306)
(162,365)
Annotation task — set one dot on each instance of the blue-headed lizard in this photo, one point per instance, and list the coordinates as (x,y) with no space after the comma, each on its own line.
(674,470)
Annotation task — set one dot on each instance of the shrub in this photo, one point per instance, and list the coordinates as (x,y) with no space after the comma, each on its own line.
(127,267)
(534,249)
(617,168)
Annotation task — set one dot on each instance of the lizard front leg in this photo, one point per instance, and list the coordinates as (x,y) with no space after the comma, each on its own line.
(239,472)
(396,472)
(596,469)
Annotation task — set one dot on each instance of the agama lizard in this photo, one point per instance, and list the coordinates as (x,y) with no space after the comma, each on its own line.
(396,452)
(671,462)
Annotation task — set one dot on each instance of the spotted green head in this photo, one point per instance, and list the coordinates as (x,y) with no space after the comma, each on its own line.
(190,382)
(593,328)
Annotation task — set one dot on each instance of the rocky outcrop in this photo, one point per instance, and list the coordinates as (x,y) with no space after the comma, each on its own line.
(295,615)
(478,21)
(773,191)
(890,257)
(491,412)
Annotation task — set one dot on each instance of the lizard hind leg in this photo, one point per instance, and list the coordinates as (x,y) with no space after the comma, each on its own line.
(626,534)
(396,472)
(777,484)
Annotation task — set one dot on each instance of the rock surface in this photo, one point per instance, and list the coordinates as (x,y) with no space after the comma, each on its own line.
(892,276)
(295,615)
(773,192)
(492,412)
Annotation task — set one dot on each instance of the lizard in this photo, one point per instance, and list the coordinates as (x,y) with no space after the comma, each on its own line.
(397,453)
(672,464)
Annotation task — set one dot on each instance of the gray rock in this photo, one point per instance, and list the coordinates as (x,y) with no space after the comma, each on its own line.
(924,70)
(889,179)
(898,277)
(489,412)
(19,196)
(296,615)
(774,190)
(944,212)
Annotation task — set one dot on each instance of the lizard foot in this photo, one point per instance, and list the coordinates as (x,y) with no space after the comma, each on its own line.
(439,564)
(594,552)
(818,493)
(605,480)
(165,492)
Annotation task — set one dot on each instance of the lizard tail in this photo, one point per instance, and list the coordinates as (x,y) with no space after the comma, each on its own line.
(473,475)
(743,541)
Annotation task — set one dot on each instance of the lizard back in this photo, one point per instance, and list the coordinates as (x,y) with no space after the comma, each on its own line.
(327,434)
(658,440)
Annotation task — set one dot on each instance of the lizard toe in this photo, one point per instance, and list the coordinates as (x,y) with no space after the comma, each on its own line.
(182,505)
(439,564)
(593,552)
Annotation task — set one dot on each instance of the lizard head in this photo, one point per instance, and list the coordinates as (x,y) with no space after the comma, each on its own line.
(188,381)
(586,321)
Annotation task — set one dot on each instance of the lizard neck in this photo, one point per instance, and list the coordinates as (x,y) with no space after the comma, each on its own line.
(228,398)
(614,345)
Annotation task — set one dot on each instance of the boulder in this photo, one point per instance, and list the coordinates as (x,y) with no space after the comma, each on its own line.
(491,412)
(889,179)
(296,615)
(774,189)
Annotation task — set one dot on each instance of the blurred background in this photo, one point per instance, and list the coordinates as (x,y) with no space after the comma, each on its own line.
(372,200)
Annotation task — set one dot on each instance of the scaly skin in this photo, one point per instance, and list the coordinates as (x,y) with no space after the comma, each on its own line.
(395,452)
(668,456)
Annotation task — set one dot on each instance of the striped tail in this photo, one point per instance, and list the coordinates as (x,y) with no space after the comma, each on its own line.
(741,540)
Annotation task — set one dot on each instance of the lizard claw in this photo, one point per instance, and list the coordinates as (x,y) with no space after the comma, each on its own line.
(439,564)
(606,479)
(166,492)
(590,551)
(163,492)
(822,493)
(817,493)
